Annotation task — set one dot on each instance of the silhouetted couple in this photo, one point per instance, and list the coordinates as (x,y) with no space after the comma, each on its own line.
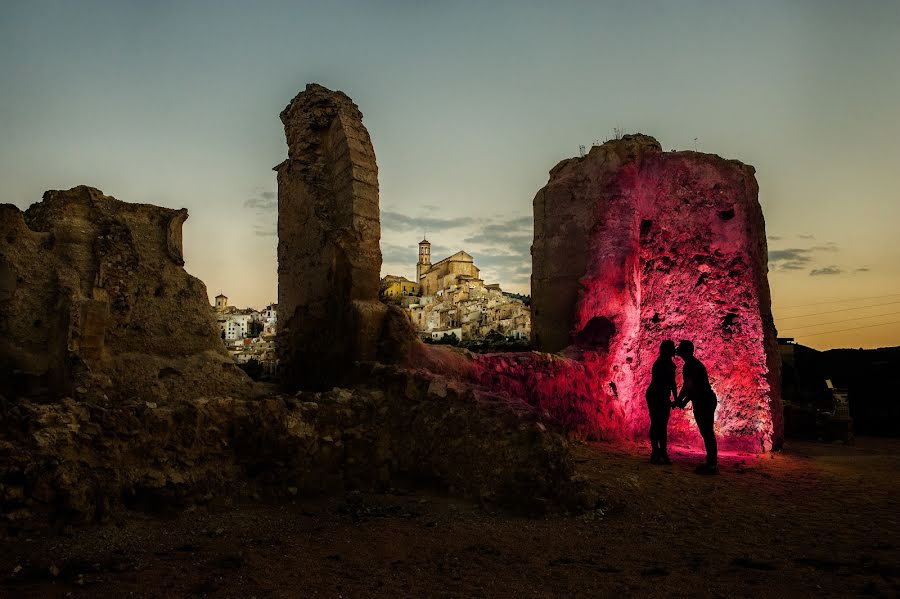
(695,388)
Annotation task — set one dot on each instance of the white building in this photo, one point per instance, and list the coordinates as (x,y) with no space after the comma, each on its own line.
(270,315)
(234,326)
(437,335)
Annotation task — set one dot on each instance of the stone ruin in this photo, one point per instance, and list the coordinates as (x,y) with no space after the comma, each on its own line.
(329,257)
(94,296)
(117,391)
(634,245)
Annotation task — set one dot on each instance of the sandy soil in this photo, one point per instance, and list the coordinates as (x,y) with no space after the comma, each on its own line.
(814,520)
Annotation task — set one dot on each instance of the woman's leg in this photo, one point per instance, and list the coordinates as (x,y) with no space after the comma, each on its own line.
(663,436)
(654,432)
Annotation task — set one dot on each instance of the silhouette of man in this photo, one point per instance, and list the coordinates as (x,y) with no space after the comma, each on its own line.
(662,383)
(695,387)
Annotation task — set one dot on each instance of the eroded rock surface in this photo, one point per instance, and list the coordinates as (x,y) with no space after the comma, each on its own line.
(93,295)
(633,246)
(329,259)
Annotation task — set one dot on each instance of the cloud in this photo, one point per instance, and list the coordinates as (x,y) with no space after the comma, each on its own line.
(790,259)
(826,270)
(519,223)
(513,232)
(264,231)
(509,240)
(395,221)
(800,258)
(264,203)
(774,237)
(502,249)
(398,254)
(789,254)
(862,269)
(496,258)
(806,236)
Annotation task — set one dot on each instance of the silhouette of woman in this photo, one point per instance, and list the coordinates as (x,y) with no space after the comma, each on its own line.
(662,384)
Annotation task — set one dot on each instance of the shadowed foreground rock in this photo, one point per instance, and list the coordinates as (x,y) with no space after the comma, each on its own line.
(80,461)
(93,294)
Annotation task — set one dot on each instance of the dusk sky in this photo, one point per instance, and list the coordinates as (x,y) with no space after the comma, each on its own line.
(469,105)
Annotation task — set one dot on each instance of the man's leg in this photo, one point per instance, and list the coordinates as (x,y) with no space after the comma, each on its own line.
(705,417)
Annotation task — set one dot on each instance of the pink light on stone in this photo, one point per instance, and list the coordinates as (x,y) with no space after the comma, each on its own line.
(633,246)
(667,245)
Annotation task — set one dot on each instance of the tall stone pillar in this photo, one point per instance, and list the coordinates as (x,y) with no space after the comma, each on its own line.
(634,245)
(329,259)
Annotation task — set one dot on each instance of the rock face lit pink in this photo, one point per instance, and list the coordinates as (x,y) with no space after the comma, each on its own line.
(633,246)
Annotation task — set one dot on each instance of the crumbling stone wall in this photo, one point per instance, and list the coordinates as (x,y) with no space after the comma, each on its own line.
(94,295)
(81,461)
(329,258)
(634,245)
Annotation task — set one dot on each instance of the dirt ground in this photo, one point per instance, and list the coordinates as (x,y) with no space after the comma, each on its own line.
(814,520)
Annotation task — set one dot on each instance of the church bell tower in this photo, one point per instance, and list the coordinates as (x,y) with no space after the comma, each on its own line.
(424,259)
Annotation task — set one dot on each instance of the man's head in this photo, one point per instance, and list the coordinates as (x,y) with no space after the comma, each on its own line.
(685,349)
(667,348)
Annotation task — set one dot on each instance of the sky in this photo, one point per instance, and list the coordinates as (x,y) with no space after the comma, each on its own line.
(469,105)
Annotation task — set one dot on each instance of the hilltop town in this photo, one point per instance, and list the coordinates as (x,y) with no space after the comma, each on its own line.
(449,301)
(249,335)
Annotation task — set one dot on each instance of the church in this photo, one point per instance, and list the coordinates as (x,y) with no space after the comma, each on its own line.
(452,270)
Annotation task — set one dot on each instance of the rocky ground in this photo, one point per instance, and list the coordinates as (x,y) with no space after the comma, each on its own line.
(814,520)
